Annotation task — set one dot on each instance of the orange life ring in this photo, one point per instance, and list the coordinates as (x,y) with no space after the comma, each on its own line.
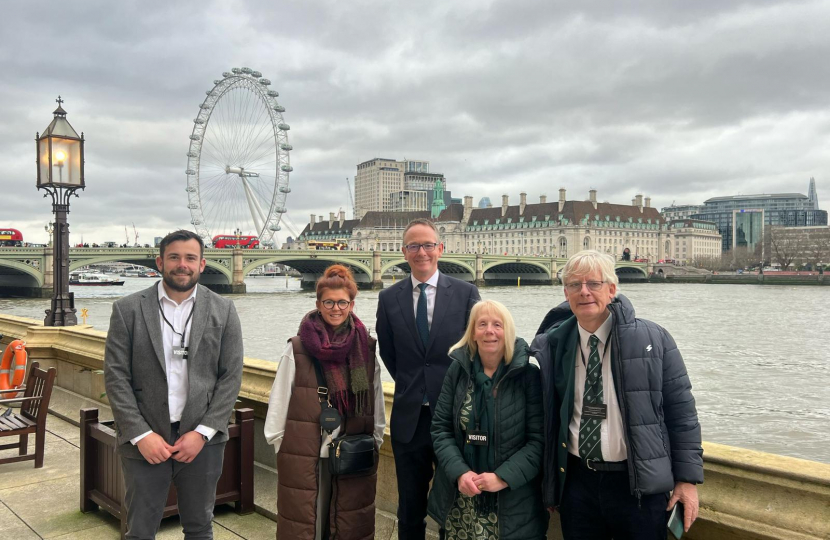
(12,376)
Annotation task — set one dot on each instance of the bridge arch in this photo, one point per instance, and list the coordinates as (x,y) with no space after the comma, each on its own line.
(215,271)
(508,271)
(21,274)
(631,273)
(311,266)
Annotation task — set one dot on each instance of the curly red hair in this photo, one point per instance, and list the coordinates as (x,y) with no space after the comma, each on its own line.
(337,277)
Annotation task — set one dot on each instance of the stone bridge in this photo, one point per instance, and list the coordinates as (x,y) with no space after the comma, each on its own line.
(28,271)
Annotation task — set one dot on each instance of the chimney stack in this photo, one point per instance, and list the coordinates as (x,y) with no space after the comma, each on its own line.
(319,219)
(468,202)
(311,223)
(592,196)
(561,199)
(639,199)
(522,203)
(342,217)
(503,205)
(543,199)
(648,202)
(331,219)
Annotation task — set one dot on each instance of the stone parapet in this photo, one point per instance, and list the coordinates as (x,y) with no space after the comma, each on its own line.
(747,494)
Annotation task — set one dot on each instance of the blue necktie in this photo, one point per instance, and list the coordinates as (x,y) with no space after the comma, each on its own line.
(421,319)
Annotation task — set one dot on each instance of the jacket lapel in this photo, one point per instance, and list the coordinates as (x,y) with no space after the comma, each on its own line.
(443,300)
(197,326)
(408,311)
(152,320)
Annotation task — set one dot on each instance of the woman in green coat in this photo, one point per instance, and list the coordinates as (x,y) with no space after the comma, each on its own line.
(488,435)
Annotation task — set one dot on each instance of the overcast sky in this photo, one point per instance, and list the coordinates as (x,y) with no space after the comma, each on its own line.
(679,101)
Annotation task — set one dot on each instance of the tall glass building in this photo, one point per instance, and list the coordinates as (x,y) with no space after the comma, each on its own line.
(785,209)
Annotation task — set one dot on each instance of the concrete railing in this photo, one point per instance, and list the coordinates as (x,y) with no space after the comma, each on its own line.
(746,495)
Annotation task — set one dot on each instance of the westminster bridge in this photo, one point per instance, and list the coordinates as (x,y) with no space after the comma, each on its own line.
(28,271)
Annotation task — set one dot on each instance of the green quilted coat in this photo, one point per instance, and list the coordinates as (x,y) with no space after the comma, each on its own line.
(518,437)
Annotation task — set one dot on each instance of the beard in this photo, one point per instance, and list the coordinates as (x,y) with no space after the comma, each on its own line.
(173,284)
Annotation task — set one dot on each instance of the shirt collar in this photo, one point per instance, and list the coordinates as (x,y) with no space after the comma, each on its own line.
(433,281)
(602,332)
(163,294)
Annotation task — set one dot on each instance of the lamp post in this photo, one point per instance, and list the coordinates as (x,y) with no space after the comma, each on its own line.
(50,228)
(60,171)
(237,232)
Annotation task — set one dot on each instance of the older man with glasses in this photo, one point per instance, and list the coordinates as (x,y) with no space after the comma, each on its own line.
(621,426)
(418,320)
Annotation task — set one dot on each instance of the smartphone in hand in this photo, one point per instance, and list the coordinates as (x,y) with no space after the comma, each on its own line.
(675,525)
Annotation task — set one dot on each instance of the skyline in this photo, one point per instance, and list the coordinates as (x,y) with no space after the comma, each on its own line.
(674,101)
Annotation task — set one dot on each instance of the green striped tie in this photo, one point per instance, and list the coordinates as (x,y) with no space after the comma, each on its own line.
(590,447)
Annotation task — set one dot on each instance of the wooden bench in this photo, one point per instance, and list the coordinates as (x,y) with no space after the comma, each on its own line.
(34,406)
(102,482)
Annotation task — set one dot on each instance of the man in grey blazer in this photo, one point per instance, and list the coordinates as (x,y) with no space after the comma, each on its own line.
(173,368)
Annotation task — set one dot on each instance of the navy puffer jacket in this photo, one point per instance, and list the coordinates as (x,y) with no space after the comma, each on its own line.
(661,429)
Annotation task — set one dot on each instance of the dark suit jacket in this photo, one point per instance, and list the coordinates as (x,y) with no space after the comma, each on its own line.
(135,372)
(414,368)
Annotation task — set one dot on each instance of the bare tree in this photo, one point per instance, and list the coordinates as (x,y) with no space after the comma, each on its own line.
(786,246)
(708,262)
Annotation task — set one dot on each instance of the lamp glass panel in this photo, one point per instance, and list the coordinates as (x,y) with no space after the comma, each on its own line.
(66,162)
(43,162)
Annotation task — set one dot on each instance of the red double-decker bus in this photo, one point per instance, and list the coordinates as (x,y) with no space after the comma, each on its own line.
(11,238)
(230,242)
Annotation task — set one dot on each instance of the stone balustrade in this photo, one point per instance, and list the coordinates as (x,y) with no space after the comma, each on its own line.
(747,494)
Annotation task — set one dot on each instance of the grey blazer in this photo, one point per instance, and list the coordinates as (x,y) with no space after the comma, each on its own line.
(135,373)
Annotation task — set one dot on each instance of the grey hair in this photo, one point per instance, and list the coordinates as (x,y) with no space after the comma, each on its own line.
(589,261)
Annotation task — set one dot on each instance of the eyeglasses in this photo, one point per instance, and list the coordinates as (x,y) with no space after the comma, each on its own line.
(342,304)
(576,286)
(414,248)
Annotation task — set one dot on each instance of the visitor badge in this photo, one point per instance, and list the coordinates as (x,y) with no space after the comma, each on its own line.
(179,353)
(595,411)
(478,438)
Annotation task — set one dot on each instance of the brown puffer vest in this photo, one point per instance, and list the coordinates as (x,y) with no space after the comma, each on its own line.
(352,515)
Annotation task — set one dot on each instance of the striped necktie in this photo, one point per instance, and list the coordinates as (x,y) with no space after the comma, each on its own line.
(590,447)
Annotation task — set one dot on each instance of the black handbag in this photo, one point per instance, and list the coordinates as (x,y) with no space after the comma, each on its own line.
(348,454)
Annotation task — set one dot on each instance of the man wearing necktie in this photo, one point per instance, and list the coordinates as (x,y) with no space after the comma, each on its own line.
(173,368)
(418,320)
(621,426)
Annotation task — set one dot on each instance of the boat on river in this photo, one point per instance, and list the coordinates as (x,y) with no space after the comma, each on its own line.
(94,279)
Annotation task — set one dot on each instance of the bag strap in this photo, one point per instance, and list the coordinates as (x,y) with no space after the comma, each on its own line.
(322,389)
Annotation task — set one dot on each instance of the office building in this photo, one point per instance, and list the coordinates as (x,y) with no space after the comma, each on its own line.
(779,209)
(695,239)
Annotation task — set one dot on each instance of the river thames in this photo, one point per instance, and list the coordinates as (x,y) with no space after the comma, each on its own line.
(757,355)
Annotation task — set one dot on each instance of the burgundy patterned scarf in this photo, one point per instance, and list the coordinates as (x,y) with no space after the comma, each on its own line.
(343,353)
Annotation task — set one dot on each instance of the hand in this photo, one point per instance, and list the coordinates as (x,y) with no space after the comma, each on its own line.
(489,482)
(687,494)
(188,446)
(154,449)
(466,485)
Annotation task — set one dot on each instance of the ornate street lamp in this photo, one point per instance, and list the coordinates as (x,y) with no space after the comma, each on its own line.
(60,171)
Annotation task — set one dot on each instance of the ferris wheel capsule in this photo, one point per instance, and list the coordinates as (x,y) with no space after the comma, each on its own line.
(256,74)
(236,71)
(226,74)
(279,108)
(246,70)
(286,147)
(285,189)
(264,82)
(287,168)
(284,127)
(273,93)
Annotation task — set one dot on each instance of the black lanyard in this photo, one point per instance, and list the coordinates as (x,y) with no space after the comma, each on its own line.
(184,329)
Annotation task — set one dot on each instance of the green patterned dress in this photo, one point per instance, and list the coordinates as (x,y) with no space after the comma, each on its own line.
(463,522)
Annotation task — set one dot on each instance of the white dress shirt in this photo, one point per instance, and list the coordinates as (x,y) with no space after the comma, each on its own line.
(177,315)
(611,429)
(431,291)
(283,389)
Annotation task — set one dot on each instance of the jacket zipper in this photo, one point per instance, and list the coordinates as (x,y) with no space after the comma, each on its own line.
(510,373)
(621,399)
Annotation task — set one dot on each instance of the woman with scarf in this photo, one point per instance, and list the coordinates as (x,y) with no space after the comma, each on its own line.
(311,503)
(488,435)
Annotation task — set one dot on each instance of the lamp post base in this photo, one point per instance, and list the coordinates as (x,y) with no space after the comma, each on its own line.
(62,312)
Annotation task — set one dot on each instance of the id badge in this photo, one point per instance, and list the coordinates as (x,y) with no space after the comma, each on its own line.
(599,412)
(179,353)
(477,438)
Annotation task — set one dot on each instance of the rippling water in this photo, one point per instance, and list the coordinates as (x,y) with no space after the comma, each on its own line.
(756,355)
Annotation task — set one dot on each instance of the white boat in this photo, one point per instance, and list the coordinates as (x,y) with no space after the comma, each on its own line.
(93,278)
